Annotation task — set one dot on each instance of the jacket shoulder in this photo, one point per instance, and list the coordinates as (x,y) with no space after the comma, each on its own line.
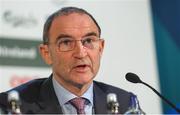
(111,89)
(31,87)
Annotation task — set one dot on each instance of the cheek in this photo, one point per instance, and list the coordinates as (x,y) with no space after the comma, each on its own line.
(61,63)
(95,60)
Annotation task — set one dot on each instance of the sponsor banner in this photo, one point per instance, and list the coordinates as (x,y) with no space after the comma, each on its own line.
(12,76)
(16,52)
(21,19)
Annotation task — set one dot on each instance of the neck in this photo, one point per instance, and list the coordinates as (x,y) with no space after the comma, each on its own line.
(76,89)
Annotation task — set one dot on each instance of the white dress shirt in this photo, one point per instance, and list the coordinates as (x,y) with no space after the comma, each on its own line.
(64,96)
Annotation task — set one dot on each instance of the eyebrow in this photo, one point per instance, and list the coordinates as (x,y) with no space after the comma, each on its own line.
(63,36)
(69,36)
(90,34)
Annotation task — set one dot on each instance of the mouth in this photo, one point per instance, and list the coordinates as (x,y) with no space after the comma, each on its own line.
(81,68)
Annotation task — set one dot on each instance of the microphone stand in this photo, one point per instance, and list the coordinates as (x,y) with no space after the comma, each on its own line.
(113,108)
(14,101)
(131,77)
(166,100)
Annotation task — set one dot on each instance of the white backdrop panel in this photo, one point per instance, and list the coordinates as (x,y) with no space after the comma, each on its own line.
(126,28)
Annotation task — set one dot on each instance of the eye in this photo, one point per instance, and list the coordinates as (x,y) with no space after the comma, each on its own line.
(88,41)
(65,42)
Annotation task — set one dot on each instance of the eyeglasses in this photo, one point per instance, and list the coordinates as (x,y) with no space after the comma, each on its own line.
(68,44)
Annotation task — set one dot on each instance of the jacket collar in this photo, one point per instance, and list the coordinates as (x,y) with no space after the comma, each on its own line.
(49,103)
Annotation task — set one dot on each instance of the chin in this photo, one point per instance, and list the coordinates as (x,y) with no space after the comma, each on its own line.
(82,79)
(82,82)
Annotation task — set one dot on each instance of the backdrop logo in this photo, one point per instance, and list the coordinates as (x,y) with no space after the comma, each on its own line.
(19,20)
(17,52)
(18,80)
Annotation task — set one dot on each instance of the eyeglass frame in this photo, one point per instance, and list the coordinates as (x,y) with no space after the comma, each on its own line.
(74,42)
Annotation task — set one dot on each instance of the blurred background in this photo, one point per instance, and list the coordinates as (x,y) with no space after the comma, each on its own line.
(141,36)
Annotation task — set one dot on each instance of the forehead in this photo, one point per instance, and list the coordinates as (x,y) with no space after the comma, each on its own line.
(71,23)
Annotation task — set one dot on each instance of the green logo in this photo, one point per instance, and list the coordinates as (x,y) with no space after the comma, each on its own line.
(17,52)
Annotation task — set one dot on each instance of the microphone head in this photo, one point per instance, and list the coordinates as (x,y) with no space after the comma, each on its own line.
(111,97)
(13,96)
(131,77)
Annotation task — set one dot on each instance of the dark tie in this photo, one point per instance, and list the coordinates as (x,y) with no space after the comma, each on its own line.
(79,104)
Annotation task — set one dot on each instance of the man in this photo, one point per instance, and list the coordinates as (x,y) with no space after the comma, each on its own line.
(73,47)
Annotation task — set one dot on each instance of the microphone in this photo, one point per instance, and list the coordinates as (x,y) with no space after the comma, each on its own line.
(131,77)
(112,103)
(134,107)
(1,112)
(13,99)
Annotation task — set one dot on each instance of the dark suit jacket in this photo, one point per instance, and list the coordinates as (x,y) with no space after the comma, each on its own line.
(38,96)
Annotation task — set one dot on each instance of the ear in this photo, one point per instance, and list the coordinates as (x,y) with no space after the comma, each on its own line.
(101,46)
(45,54)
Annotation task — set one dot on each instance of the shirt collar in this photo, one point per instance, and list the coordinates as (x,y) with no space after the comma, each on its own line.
(64,95)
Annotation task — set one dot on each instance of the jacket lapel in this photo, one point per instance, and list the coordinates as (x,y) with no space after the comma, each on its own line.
(47,100)
(100,106)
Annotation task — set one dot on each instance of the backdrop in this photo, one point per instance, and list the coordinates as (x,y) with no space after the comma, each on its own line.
(126,28)
(166,17)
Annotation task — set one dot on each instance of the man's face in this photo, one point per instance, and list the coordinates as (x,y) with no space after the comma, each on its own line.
(79,66)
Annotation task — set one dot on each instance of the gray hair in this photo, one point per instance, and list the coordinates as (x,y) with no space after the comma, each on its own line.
(61,12)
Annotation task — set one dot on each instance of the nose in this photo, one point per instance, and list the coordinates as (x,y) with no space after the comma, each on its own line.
(79,50)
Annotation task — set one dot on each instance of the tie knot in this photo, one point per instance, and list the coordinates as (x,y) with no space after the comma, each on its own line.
(79,104)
